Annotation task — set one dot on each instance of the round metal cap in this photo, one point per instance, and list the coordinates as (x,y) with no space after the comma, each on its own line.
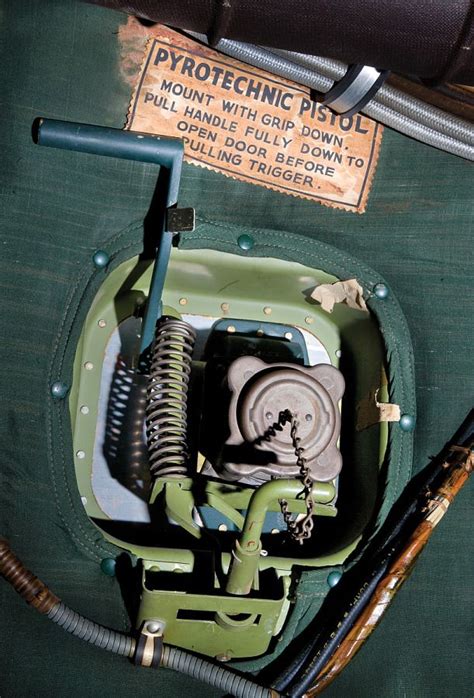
(280,389)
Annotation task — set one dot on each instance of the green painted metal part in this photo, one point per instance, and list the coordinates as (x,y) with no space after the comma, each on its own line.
(248,547)
(217,284)
(129,145)
(230,500)
(222,286)
(227,627)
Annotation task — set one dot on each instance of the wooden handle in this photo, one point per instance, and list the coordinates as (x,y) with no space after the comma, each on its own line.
(436,507)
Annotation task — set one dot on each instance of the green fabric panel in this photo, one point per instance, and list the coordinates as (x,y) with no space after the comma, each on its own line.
(59,58)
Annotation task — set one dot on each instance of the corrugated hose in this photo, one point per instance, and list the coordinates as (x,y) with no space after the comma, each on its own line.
(389,106)
(37,594)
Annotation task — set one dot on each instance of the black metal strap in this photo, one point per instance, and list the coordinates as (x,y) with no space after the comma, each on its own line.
(220,22)
(350,94)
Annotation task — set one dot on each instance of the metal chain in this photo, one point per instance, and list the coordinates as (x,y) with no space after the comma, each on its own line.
(298,530)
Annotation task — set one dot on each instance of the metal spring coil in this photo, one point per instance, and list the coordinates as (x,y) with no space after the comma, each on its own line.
(167,393)
(125,448)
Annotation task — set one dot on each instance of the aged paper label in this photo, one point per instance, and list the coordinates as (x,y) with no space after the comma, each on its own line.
(252,125)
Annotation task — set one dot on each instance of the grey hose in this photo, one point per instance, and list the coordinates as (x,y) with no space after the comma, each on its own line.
(390,97)
(422,122)
(87,630)
(266,60)
(39,596)
(217,676)
(172,658)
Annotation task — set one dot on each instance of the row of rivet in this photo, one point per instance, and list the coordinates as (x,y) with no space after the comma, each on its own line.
(380,291)
(59,389)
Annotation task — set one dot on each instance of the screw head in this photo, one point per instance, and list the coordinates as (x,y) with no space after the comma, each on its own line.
(245,242)
(100,259)
(153,627)
(407,422)
(108,566)
(59,390)
(334,578)
(381,291)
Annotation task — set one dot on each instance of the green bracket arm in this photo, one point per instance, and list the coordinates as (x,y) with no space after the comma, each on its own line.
(128,145)
(247,551)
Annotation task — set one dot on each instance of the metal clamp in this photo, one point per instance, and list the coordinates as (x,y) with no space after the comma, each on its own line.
(350,94)
(149,647)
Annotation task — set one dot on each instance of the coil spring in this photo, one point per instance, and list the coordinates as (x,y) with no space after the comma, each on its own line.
(166,410)
(125,446)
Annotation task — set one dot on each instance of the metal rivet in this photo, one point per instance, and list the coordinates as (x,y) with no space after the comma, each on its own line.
(407,422)
(102,323)
(338,353)
(231,328)
(183,301)
(84,501)
(267,310)
(222,527)
(274,530)
(88,365)
(269,415)
(309,320)
(80,454)
(108,566)
(334,578)
(100,259)
(260,333)
(84,409)
(153,627)
(309,417)
(245,242)
(288,336)
(381,291)
(59,390)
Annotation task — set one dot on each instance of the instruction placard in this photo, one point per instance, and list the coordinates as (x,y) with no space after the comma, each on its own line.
(252,125)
